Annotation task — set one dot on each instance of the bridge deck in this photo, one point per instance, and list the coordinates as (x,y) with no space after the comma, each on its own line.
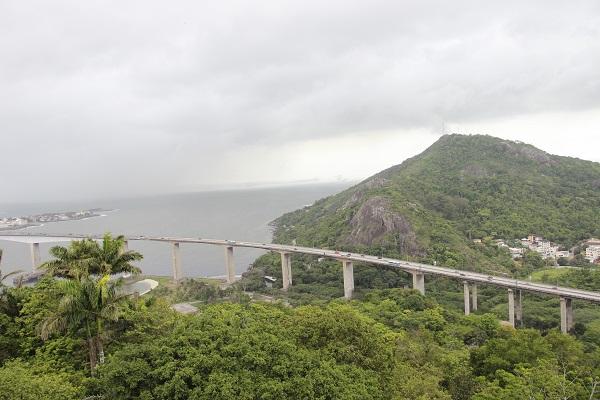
(407,266)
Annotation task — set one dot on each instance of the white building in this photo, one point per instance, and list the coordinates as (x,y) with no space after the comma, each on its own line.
(516,252)
(544,247)
(269,281)
(563,254)
(534,238)
(592,253)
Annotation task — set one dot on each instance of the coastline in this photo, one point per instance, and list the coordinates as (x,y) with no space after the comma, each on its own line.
(95,213)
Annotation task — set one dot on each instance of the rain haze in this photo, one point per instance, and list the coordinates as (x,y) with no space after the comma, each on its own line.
(113,99)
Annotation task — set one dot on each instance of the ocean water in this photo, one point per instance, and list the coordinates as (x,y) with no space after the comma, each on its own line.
(234,215)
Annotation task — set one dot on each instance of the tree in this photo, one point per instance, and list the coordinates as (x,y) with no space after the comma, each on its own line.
(562,261)
(580,261)
(533,260)
(73,261)
(87,305)
(523,347)
(544,381)
(256,351)
(20,380)
(88,257)
(109,257)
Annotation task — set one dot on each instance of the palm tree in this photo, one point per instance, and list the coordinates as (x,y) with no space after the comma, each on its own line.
(73,261)
(109,257)
(89,300)
(87,256)
(88,305)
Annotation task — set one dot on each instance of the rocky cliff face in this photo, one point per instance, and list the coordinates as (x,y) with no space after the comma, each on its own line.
(374,221)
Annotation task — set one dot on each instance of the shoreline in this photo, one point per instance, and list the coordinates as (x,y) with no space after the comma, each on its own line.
(95,213)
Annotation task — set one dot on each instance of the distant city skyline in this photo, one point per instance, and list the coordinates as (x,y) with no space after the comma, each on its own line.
(116,99)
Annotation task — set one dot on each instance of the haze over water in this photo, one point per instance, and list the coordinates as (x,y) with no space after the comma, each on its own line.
(234,215)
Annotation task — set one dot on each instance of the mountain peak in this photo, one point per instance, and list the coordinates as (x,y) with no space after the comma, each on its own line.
(462,187)
(470,144)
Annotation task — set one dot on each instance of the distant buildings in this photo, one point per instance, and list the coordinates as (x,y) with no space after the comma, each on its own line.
(269,281)
(516,252)
(563,254)
(544,247)
(13,222)
(33,220)
(592,252)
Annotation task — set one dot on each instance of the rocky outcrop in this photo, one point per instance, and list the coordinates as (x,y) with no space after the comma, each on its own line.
(374,222)
(528,152)
(360,191)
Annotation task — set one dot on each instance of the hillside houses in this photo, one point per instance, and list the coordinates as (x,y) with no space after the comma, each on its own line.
(547,249)
(544,247)
(592,252)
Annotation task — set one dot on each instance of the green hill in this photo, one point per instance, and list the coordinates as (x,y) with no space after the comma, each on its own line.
(430,207)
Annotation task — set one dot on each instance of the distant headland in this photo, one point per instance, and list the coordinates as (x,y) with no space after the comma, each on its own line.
(22,222)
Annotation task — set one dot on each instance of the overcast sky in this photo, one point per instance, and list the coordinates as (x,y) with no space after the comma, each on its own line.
(120,98)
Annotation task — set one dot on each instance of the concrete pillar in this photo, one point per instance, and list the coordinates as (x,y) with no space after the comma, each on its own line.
(566,314)
(467,298)
(519,308)
(125,247)
(474,297)
(176,264)
(511,307)
(419,282)
(229,264)
(36,259)
(286,270)
(348,268)
(570,321)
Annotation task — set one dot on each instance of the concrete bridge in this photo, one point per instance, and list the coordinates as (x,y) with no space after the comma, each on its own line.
(470,280)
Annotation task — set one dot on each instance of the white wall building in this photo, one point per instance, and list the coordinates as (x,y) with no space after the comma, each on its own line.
(592,253)
(516,252)
(563,254)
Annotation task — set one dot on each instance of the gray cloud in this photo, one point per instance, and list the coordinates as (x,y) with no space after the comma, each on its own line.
(89,89)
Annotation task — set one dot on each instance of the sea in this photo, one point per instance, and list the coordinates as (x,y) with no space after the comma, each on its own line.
(234,214)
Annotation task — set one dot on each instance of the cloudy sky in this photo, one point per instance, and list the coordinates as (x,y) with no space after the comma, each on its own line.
(113,98)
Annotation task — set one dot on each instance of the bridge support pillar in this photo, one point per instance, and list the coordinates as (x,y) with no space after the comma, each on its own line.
(176,262)
(36,259)
(229,264)
(419,282)
(348,268)
(519,308)
(286,270)
(566,314)
(467,298)
(511,307)
(474,297)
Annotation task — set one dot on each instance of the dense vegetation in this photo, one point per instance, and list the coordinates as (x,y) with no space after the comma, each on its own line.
(461,188)
(393,344)
(319,282)
(390,343)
